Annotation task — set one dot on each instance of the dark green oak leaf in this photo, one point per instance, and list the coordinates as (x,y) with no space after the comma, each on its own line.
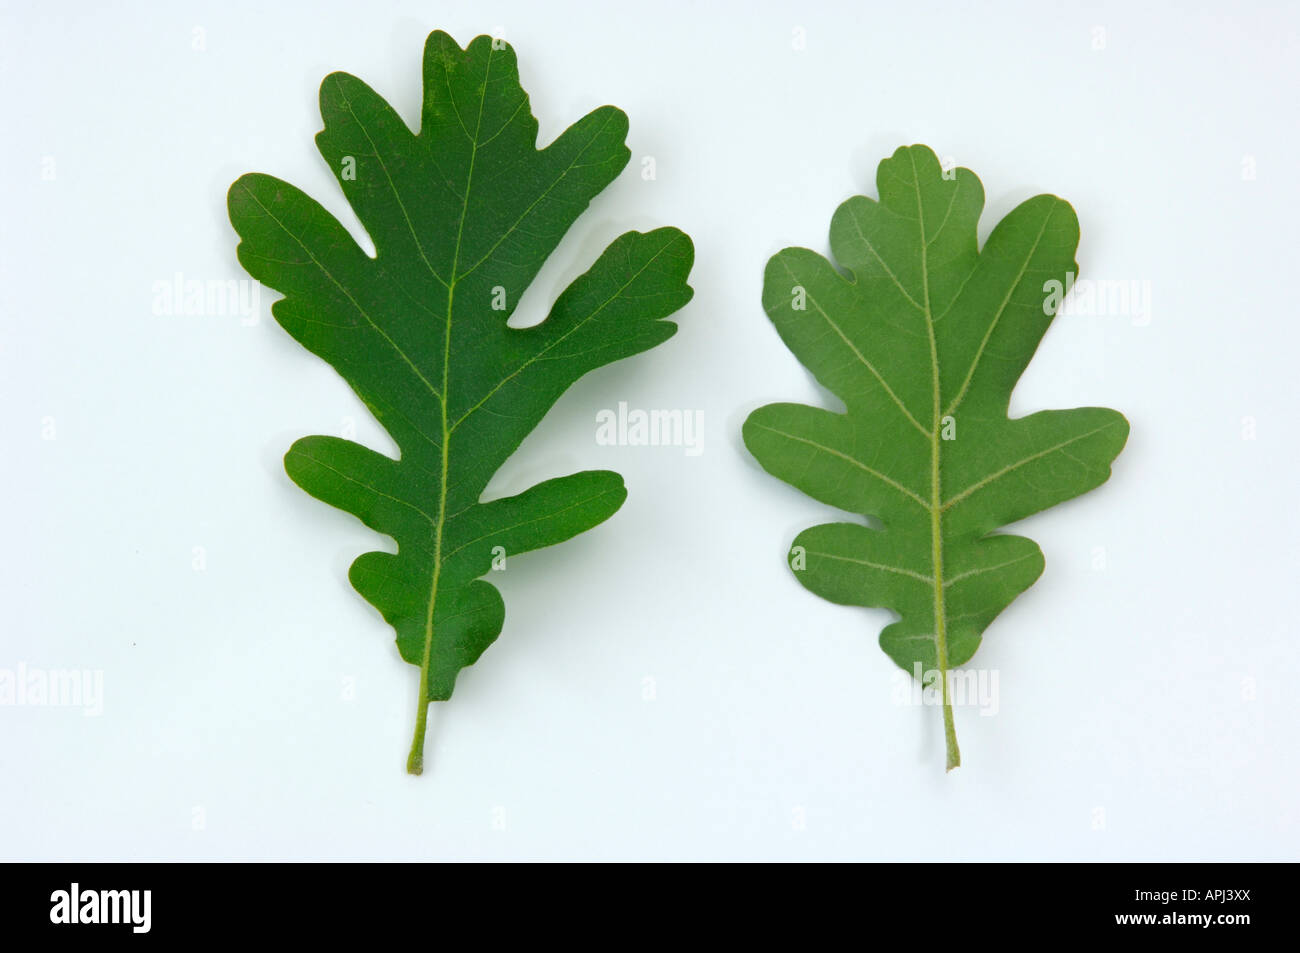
(462,215)
(922,334)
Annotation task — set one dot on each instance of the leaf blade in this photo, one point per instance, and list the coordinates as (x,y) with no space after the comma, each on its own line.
(924,342)
(462,214)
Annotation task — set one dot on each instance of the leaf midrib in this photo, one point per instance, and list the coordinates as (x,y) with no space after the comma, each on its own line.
(422,703)
(936,489)
(937,506)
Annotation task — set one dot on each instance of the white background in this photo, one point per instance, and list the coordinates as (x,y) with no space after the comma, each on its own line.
(1145,704)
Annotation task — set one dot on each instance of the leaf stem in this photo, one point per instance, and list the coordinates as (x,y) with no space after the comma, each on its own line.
(940,620)
(415,760)
(949,729)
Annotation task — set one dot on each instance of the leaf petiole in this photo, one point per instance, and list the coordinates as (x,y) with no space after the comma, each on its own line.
(415,760)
